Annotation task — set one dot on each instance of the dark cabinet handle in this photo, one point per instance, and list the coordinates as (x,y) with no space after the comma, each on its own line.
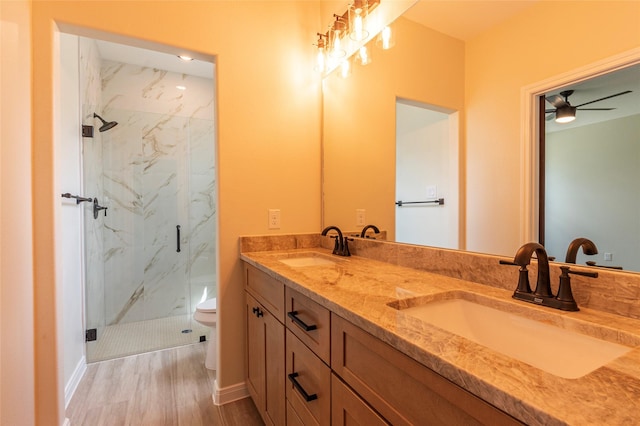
(300,389)
(256,310)
(300,323)
(178,238)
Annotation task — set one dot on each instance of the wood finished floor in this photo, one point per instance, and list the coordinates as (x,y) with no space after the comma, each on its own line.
(170,387)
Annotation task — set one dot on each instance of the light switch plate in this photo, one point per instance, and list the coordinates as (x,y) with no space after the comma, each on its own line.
(432,192)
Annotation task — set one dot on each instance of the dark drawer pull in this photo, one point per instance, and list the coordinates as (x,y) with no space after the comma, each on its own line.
(300,389)
(299,322)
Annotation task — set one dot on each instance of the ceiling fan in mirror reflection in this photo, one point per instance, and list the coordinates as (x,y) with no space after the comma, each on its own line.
(564,112)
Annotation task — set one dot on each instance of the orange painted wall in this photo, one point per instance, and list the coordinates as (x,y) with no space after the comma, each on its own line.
(268,137)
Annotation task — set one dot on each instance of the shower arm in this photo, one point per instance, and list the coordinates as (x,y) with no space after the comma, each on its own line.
(78,198)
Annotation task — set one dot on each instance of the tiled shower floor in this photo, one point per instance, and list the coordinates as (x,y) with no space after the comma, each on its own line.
(121,340)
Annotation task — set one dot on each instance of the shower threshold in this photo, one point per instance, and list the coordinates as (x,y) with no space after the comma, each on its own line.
(120,340)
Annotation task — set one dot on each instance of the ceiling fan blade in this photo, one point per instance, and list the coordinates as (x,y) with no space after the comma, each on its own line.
(596,109)
(547,111)
(606,97)
(556,100)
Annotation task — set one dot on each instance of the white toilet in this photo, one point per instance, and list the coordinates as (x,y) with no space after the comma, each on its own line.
(206,315)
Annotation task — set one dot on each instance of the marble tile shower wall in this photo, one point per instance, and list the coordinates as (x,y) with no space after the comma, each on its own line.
(157,173)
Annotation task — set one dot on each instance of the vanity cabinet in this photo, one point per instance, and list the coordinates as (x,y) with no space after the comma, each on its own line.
(309,366)
(402,390)
(308,356)
(265,345)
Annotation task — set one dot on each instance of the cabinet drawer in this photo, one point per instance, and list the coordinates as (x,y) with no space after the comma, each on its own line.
(348,409)
(310,321)
(402,390)
(306,373)
(267,290)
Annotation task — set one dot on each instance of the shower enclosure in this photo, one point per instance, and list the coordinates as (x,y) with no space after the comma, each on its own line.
(150,255)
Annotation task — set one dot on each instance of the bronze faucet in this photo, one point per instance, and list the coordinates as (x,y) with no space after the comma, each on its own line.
(588,248)
(542,295)
(341,246)
(364,230)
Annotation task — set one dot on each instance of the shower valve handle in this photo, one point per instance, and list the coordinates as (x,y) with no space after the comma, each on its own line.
(97,207)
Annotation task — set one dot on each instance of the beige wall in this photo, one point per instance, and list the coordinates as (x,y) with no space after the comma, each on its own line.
(359,120)
(268,150)
(16,264)
(523,51)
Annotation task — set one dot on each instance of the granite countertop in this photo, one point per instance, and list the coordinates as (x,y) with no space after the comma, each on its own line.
(359,289)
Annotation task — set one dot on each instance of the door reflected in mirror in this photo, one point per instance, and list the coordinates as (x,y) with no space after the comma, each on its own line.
(591,172)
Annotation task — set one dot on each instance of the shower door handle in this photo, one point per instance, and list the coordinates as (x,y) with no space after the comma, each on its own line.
(178,238)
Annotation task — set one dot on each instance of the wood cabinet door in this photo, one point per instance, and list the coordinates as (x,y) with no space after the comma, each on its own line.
(347,409)
(265,362)
(401,389)
(255,353)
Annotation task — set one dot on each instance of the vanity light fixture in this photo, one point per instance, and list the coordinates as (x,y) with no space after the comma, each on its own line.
(565,114)
(336,33)
(321,56)
(351,31)
(180,87)
(185,58)
(357,15)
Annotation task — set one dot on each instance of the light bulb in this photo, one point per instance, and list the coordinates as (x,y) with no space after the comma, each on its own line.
(385,38)
(363,56)
(321,60)
(335,38)
(345,69)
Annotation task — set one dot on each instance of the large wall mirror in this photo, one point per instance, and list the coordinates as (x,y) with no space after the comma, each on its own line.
(418,90)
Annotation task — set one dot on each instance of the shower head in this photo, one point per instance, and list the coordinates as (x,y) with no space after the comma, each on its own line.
(105,125)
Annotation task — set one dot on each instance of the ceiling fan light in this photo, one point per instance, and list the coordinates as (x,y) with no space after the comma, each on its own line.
(565,114)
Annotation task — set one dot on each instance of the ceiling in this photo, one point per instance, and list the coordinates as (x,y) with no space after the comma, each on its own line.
(464,19)
(153,59)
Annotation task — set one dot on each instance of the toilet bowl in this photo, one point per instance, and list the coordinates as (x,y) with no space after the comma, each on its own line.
(205,314)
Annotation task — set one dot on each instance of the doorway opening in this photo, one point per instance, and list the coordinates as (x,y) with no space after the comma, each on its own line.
(427,191)
(149,254)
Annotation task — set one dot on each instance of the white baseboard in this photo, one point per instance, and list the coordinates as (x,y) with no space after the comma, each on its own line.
(73,382)
(230,393)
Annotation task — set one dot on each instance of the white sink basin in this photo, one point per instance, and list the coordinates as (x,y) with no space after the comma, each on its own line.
(558,351)
(311,259)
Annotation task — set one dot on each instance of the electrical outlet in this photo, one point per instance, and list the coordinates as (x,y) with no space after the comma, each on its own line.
(608,257)
(274,218)
(360,217)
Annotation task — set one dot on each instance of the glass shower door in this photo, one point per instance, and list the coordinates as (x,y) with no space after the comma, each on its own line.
(142,301)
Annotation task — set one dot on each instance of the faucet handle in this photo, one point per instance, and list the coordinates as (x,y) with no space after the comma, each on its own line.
(345,248)
(523,277)
(336,245)
(565,295)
